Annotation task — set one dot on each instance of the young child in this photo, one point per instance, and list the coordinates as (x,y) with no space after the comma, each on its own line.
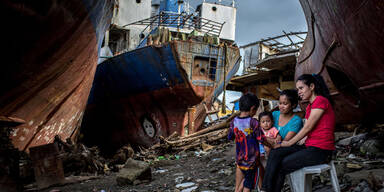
(247,133)
(266,123)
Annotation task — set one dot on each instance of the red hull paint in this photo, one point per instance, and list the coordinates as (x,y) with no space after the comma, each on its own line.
(122,121)
(345,45)
(51,68)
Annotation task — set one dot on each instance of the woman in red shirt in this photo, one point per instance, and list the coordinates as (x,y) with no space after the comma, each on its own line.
(318,128)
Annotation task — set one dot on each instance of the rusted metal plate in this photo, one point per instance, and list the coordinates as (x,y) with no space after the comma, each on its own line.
(47,165)
(345,45)
(51,69)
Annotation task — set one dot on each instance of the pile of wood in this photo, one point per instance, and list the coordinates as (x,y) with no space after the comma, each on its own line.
(201,139)
(79,159)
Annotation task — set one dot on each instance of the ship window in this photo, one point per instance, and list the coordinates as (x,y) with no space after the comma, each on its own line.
(205,66)
(138,1)
(212,69)
(118,40)
(214,8)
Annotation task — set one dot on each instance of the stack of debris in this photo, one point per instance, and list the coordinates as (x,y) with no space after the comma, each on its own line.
(9,155)
(80,160)
(203,139)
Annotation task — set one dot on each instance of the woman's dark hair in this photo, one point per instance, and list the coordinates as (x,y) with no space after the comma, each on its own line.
(265,113)
(292,96)
(320,86)
(247,101)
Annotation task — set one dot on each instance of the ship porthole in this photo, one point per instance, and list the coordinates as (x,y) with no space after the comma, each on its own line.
(148,126)
(138,1)
(214,8)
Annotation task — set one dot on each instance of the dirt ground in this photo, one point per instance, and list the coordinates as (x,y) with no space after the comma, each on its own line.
(214,170)
(193,171)
(198,171)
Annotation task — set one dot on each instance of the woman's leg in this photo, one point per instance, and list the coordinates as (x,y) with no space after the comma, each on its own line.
(306,157)
(273,165)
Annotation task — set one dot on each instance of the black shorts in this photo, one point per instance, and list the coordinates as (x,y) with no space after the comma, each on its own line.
(249,178)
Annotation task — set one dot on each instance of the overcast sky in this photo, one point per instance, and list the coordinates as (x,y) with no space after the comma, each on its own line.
(258,19)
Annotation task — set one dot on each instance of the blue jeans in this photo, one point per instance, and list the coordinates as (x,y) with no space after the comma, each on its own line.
(284,160)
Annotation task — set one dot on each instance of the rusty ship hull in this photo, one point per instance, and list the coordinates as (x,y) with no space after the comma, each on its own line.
(49,66)
(155,91)
(345,45)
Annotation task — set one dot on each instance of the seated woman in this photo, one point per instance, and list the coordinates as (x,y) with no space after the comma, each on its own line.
(319,129)
(284,120)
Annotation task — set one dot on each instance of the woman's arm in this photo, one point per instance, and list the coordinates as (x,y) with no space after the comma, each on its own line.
(289,136)
(308,126)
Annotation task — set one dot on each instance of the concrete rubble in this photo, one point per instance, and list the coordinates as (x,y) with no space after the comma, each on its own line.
(133,170)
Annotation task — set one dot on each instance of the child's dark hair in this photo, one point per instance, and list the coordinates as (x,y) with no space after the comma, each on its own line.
(265,113)
(292,96)
(247,101)
(320,86)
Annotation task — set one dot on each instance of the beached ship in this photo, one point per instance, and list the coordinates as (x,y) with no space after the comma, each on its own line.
(345,45)
(158,84)
(49,61)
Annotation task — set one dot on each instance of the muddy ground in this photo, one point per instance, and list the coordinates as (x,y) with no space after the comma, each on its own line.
(193,171)
(200,171)
(359,162)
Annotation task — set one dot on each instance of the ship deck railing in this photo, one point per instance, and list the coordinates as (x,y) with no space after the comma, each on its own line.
(182,21)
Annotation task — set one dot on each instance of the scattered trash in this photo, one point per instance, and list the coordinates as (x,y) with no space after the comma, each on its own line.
(225,171)
(351,156)
(179,179)
(185,185)
(371,146)
(189,189)
(363,186)
(161,171)
(354,166)
(351,140)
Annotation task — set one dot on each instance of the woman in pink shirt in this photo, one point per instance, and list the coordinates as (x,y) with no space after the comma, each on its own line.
(319,129)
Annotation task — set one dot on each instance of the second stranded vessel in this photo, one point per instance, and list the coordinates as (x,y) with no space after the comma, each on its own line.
(163,64)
